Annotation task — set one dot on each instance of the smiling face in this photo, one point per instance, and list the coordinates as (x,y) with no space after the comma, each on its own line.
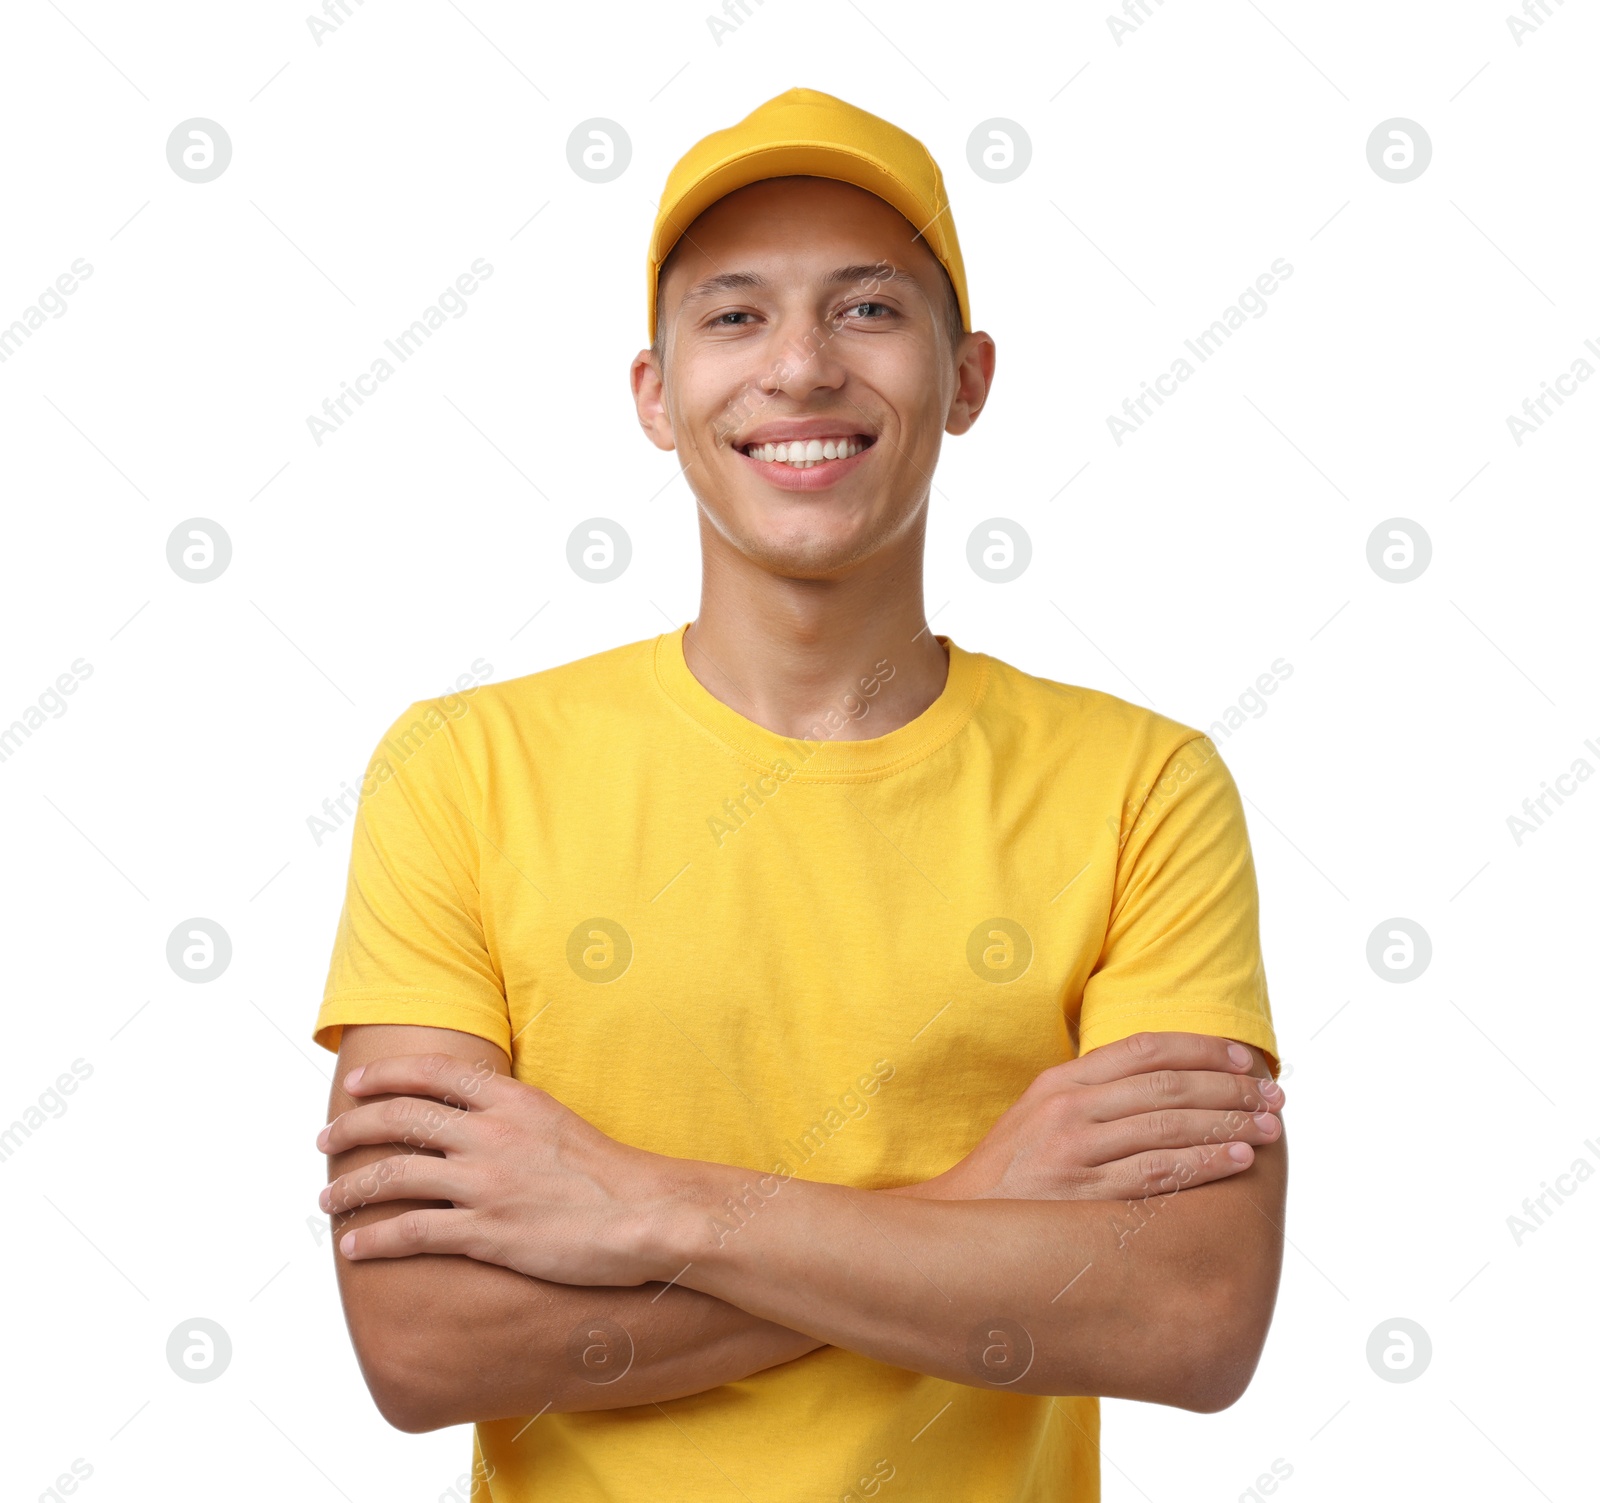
(806,374)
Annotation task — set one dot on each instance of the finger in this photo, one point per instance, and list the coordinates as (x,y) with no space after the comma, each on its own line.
(1142,1053)
(410,1233)
(403,1119)
(1167,1090)
(415,1176)
(1166,1171)
(459,1082)
(1130,1136)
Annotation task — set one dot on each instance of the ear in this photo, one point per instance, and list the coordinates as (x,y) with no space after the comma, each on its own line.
(974,378)
(649,399)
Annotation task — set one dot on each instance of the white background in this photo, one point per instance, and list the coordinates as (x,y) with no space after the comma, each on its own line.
(1167,173)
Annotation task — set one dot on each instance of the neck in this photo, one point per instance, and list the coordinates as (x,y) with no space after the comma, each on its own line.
(819,659)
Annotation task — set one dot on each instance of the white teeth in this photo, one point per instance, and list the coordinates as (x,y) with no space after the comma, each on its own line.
(803,453)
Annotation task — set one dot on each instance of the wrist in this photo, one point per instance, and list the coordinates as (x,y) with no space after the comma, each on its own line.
(951,1185)
(695,1208)
(679,1214)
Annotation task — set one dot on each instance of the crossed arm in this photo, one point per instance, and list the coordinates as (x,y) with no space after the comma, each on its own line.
(510,1236)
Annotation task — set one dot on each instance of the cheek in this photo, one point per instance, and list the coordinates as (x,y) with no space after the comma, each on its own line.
(707,414)
(914,393)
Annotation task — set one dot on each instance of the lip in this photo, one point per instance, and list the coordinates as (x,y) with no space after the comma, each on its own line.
(817,478)
(787,430)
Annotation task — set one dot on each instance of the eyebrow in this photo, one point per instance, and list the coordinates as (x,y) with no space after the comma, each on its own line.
(743,281)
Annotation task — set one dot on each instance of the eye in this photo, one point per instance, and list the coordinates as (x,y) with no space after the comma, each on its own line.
(717,322)
(857,307)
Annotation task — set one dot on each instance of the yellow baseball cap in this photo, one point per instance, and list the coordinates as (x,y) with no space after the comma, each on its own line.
(805,133)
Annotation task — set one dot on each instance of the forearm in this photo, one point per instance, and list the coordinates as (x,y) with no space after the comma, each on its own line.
(447,1340)
(1166,1301)
(529,1291)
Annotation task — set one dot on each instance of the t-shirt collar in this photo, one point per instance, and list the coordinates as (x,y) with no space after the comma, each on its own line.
(831,760)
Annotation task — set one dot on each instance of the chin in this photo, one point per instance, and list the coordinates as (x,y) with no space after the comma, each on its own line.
(805,537)
(815,557)
(810,546)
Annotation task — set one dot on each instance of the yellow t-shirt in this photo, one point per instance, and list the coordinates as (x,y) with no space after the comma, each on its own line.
(841,959)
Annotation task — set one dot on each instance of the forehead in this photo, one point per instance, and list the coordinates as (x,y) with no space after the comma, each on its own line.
(795,227)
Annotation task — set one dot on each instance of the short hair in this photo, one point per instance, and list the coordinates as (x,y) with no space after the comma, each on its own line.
(954,325)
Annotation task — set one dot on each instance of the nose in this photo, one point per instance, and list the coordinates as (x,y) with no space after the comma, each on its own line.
(804,356)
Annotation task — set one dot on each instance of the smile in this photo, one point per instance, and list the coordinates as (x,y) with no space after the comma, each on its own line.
(803,454)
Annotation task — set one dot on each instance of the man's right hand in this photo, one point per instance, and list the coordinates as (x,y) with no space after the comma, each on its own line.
(1139,1117)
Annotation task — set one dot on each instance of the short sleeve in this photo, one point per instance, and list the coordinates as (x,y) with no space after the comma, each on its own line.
(410,945)
(1183,949)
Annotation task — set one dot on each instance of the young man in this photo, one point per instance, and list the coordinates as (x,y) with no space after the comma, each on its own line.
(795,1057)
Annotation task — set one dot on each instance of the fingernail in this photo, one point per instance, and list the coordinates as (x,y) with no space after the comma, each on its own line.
(1272,1091)
(347,1243)
(1265,1121)
(1238,1152)
(322,1138)
(353,1079)
(1239,1054)
(323,1196)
